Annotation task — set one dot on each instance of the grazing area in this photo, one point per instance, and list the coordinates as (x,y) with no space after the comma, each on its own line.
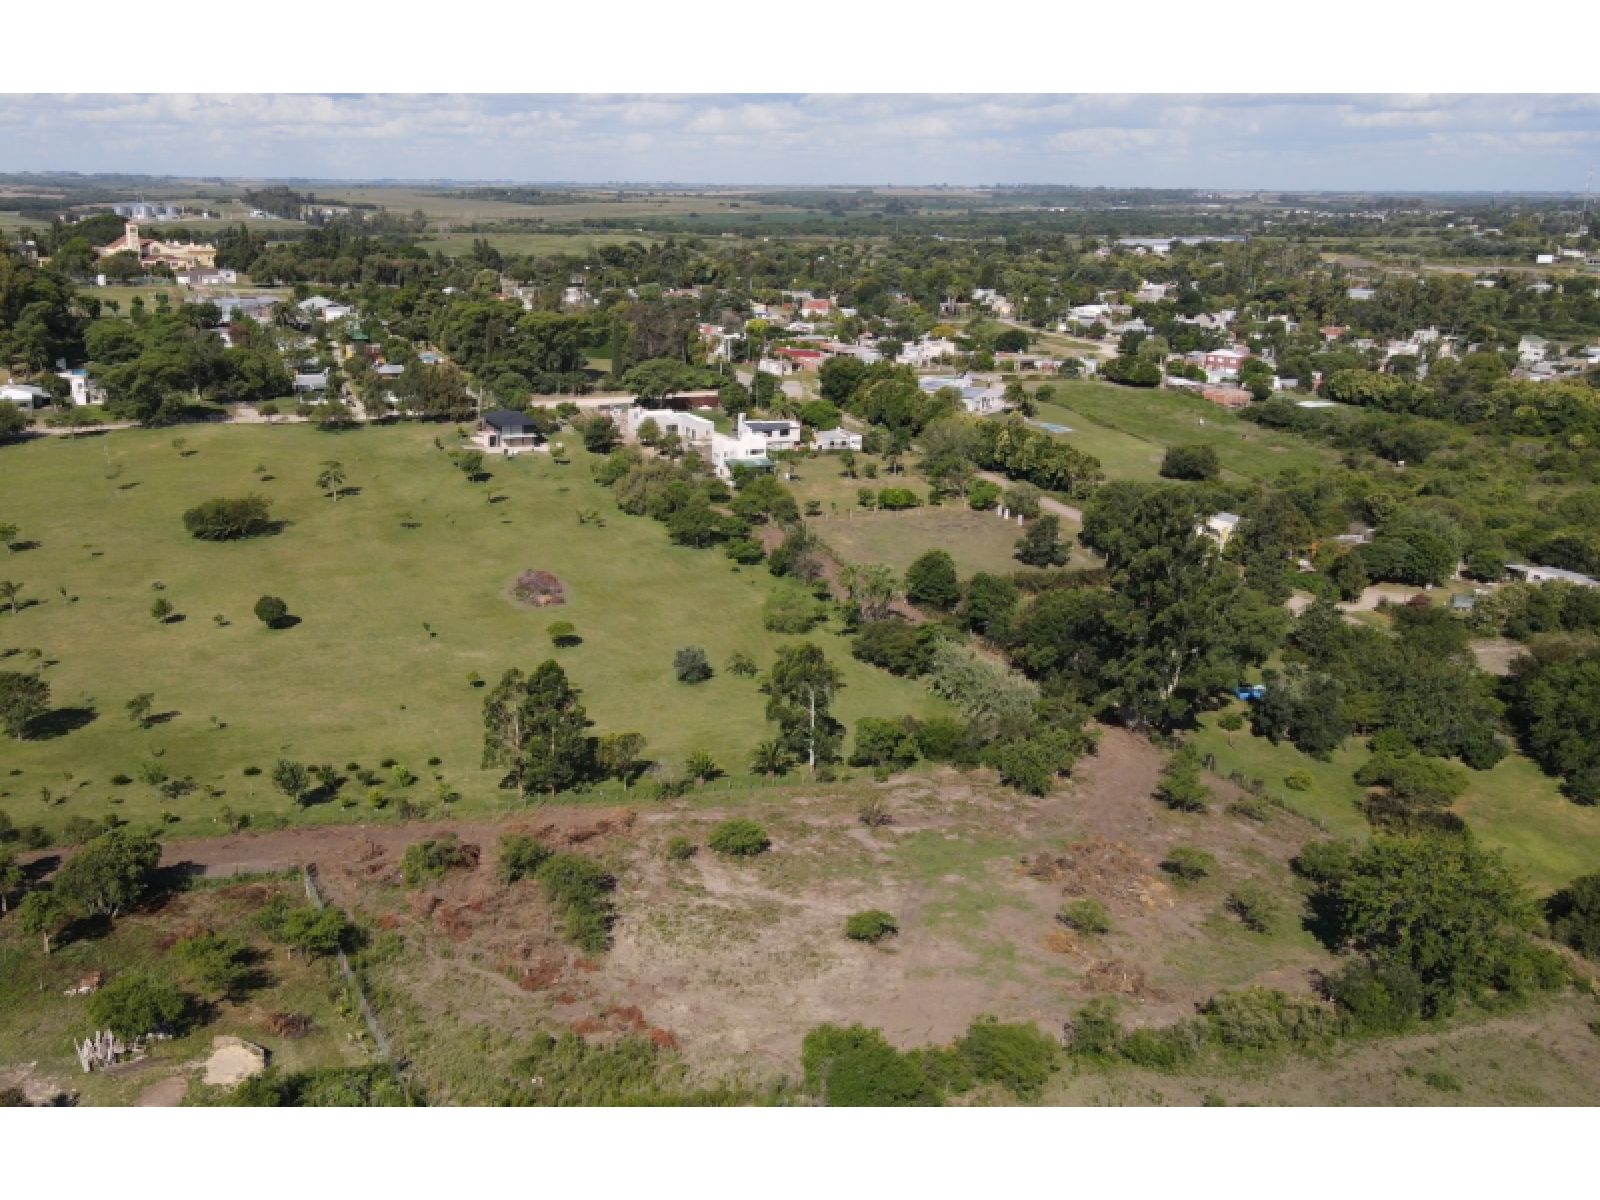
(1129,429)
(399,609)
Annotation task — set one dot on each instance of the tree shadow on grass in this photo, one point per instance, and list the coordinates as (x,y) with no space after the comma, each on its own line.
(59,722)
(21,547)
(287,621)
(161,718)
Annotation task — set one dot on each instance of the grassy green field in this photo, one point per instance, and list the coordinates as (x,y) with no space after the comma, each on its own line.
(1129,429)
(1514,807)
(393,620)
(522,242)
(978,541)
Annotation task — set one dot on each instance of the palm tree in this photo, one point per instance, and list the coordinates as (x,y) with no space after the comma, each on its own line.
(769,759)
(332,478)
(8,593)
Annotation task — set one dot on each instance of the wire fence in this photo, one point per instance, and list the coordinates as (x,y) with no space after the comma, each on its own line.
(368,1013)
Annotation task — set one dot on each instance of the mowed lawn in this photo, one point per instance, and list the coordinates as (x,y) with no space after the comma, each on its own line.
(1514,807)
(978,541)
(392,621)
(1129,429)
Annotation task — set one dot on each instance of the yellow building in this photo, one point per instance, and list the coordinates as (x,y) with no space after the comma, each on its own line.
(152,253)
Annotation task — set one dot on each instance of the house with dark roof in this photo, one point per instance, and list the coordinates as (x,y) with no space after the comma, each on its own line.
(507,432)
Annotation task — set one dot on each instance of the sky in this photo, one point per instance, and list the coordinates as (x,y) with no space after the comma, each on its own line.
(1330,142)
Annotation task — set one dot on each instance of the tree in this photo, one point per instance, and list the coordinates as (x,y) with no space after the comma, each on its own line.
(563,634)
(989,605)
(1190,462)
(23,697)
(8,533)
(137,1004)
(769,758)
(931,580)
(162,609)
(871,589)
(800,689)
(42,914)
(1181,786)
(315,931)
(1440,906)
(271,611)
(534,726)
(139,709)
(112,872)
(332,478)
(468,462)
(11,877)
(228,520)
(690,665)
(216,963)
(10,589)
(1041,544)
(292,778)
(621,756)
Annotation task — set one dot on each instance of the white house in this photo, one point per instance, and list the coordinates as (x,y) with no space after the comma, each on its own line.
(324,309)
(311,382)
(25,396)
(926,352)
(751,443)
(836,439)
(1531,348)
(1544,260)
(691,430)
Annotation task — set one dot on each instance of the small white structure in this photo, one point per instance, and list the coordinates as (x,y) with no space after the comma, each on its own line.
(324,309)
(84,390)
(311,382)
(25,396)
(1532,574)
(836,439)
(1220,527)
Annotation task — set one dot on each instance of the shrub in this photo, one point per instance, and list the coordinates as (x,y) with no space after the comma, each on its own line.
(1168,1048)
(1574,914)
(430,860)
(681,849)
(1256,910)
(1298,780)
(873,926)
(1264,1020)
(1181,787)
(856,1067)
(581,890)
(1379,1000)
(1095,1032)
(1017,1056)
(1188,864)
(690,665)
(884,742)
(520,857)
(219,965)
(271,611)
(896,498)
(1086,916)
(742,665)
(739,837)
(139,1003)
(1191,463)
(563,633)
(791,610)
(229,520)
